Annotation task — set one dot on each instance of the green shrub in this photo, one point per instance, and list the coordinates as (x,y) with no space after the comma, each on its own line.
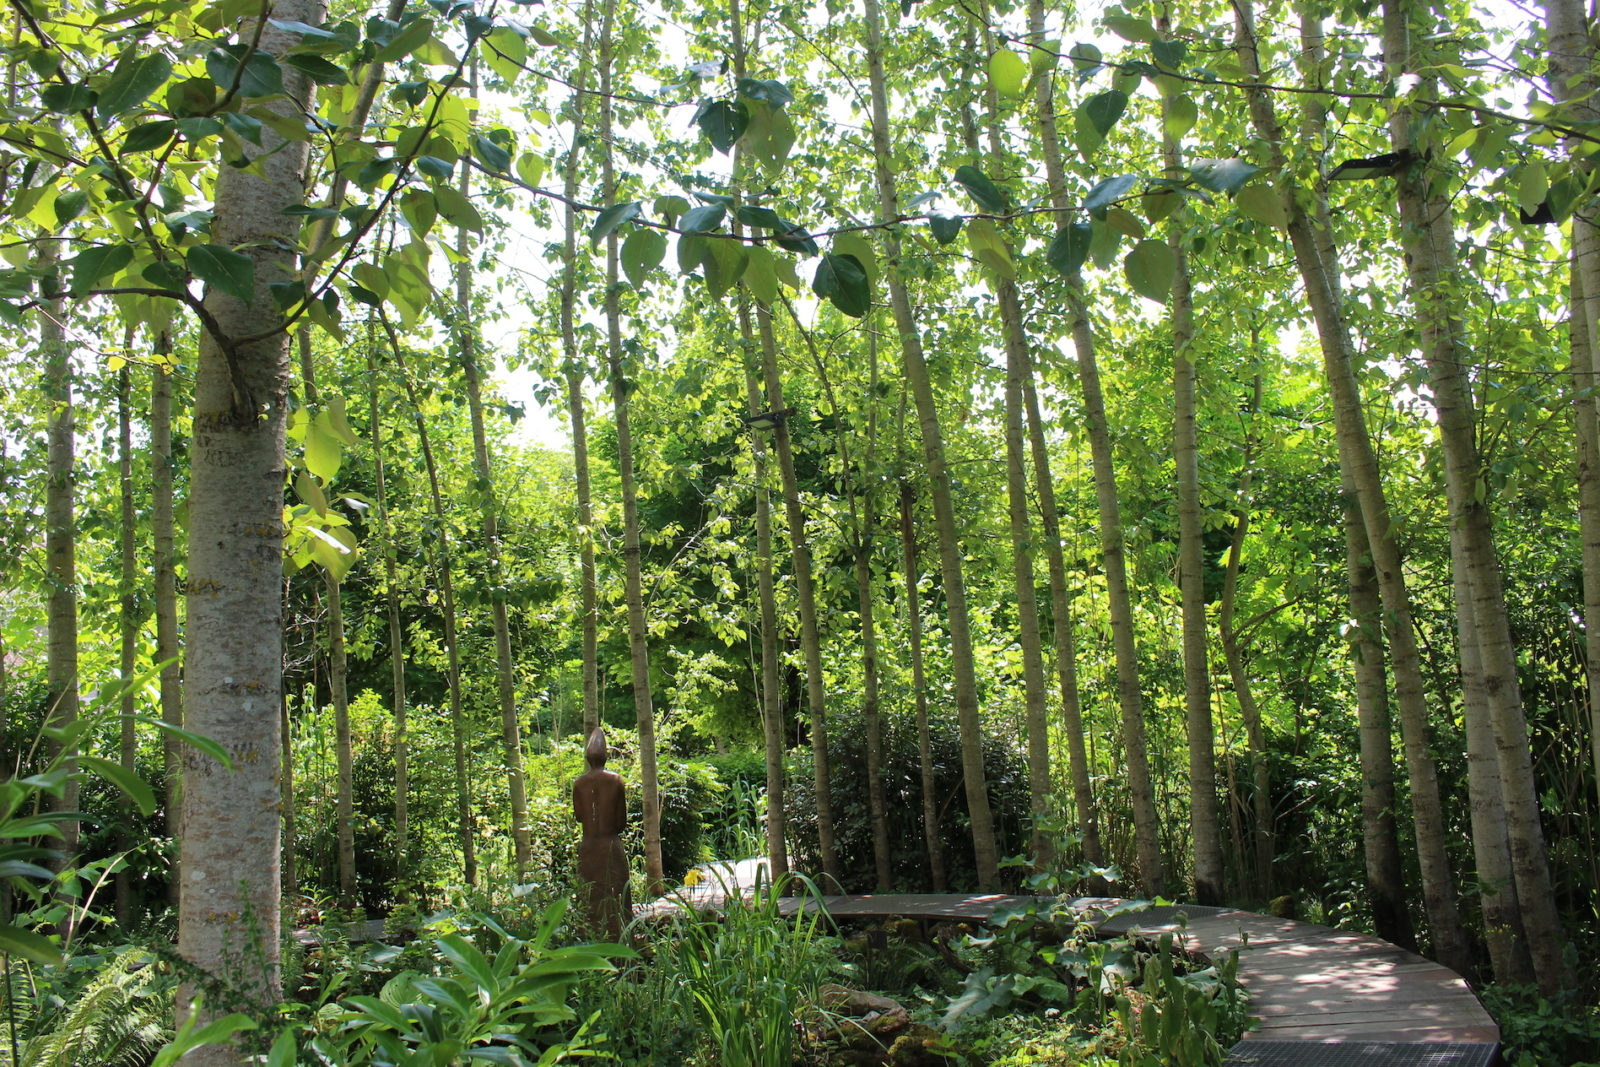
(1537,1031)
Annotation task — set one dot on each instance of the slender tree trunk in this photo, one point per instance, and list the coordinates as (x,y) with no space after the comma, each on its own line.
(621,387)
(1019,367)
(985,850)
(1491,841)
(933,836)
(1263,841)
(447,596)
(1428,235)
(229,920)
(1573,82)
(1141,790)
(397,641)
(865,533)
(1380,839)
(60,541)
(1203,814)
(128,608)
(573,371)
(166,590)
(510,728)
(291,874)
(1311,236)
(338,682)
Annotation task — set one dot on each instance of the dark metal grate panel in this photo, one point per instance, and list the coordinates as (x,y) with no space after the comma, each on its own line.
(1360,1054)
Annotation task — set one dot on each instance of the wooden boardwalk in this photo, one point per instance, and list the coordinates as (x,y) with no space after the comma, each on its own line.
(1325,997)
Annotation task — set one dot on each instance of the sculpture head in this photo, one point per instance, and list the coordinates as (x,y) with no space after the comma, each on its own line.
(595,750)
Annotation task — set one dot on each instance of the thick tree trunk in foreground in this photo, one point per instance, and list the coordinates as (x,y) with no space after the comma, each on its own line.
(229,920)
(1428,235)
(984,848)
(1311,236)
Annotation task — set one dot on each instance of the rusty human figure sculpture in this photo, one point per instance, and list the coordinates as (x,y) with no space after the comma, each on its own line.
(600,804)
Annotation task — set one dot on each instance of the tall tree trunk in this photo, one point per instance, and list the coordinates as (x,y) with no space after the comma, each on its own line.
(291,874)
(128,617)
(510,728)
(866,528)
(338,681)
(1491,841)
(621,387)
(985,850)
(391,603)
(1428,236)
(444,562)
(1380,839)
(60,550)
(573,371)
(1263,841)
(1050,525)
(1311,236)
(1141,790)
(1573,82)
(229,920)
(1019,367)
(932,834)
(1203,815)
(166,590)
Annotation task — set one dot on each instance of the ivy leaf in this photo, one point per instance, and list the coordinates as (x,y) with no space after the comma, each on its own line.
(101,261)
(133,79)
(946,228)
(1222,175)
(1150,268)
(1070,248)
(977,184)
(1007,73)
(702,219)
(223,268)
(842,282)
(1107,192)
(723,122)
(642,253)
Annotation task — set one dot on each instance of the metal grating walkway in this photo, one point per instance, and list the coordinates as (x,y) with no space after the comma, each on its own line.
(1359,1054)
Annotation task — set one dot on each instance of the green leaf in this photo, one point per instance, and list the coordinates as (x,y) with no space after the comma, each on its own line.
(458,209)
(857,246)
(722,265)
(132,786)
(1107,192)
(1130,29)
(773,93)
(990,248)
(1179,115)
(317,69)
(257,73)
(69,205)
(223,268)
(1070,248)
(977,184)
(691,250)
(1263,204)
(323,456)
(420,211)
(610,218)
(642,253)
(1007,73)
(530,167)
(763,217)
(1104,109)
(93,264)
(1533,186)
(1169,53)
(196,741)
(149,136)
(490,154)
(66,99)
(771,138)
(723,122)
(670,207)
(702,219)
(137,74)
(1225,176)
(841,281)
(1150,268)
(946,228)
(19,942)
(760,276)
